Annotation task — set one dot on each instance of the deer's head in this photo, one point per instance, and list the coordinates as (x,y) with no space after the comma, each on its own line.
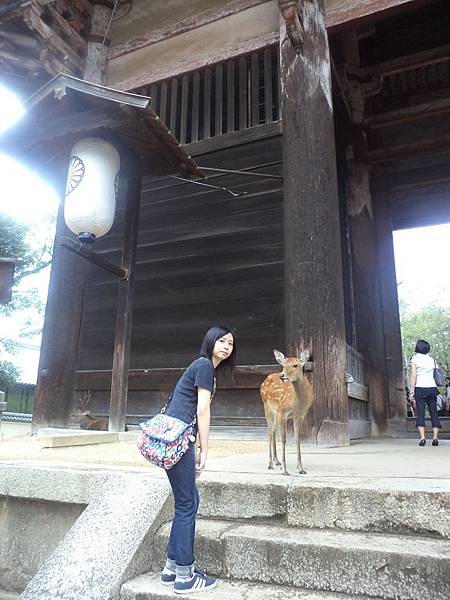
(292,367)
(82,407)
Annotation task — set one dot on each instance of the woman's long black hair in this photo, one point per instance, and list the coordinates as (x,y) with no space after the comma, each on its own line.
(225,368)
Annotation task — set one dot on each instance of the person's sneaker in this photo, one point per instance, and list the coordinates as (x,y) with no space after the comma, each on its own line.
(422,442)
(435,442)
(199,582)
(167,578)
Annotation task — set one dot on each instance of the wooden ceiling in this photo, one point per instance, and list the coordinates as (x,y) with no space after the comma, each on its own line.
(41,38)
(394,76)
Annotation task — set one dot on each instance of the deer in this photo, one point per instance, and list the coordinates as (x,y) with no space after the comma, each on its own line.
(82,414)
(286,395)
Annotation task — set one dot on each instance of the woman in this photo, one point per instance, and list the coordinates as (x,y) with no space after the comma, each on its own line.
(424,391)
(192,398)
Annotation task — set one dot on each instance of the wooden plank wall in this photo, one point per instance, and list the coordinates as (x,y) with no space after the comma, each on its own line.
(204,257)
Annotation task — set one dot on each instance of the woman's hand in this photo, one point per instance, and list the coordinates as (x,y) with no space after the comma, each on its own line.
(200,463)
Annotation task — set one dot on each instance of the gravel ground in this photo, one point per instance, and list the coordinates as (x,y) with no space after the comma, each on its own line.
(15,446)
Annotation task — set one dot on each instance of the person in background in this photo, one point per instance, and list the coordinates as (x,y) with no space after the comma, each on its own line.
(423,390)
(447,392)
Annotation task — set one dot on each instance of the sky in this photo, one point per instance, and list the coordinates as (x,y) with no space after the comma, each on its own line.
(422,275)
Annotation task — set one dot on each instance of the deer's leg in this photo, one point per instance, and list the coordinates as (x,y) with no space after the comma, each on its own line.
(299,453)
(282,427)
(274,442)
(270,432)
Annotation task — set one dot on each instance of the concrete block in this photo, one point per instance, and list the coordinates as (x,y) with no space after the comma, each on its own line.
(149,587)
(57,438)
(63,484)
(30,531)
(369,508)
(404,568)
(110,543)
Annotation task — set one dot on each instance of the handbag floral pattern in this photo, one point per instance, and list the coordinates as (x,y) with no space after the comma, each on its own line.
(164,440)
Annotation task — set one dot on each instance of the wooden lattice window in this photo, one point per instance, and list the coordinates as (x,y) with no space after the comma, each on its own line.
(225,97)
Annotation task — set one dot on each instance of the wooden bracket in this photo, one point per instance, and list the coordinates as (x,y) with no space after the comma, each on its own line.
(291,13)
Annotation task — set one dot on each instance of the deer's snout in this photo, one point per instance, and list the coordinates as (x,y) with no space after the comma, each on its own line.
(283,377)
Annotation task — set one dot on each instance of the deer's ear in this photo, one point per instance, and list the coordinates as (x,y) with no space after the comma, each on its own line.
(304,356)
(279,357)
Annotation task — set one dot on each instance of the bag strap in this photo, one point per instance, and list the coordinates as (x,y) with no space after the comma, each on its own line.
(164,408)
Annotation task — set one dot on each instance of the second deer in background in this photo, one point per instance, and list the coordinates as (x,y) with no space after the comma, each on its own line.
(286,396)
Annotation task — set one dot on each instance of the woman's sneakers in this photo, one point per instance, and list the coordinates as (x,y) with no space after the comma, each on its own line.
(167,576)
(199,582)
(422,442)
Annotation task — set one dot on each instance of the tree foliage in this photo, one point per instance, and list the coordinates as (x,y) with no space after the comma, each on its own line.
(432,324)
(9,374)
(17,241)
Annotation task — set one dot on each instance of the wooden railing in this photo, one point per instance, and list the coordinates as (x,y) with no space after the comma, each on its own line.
(229,96)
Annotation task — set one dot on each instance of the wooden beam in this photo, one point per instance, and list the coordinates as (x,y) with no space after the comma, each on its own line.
(97,51)
(349,11)
(436,106)
(405,63)
(71,34)
(33,19)
(121,360)
(245,377)
(414,178)
(19,39)
(78,248)
(314,300)
(229,140)
(185,24)
(175,69)
(403,151)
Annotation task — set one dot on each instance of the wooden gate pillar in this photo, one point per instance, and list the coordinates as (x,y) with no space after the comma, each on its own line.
(391,313)
(314,303)
(367,294)
(63,313)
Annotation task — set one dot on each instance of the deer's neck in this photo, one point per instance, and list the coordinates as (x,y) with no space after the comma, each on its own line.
(301,396)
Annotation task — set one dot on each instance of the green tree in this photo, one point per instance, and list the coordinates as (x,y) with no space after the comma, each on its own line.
(17,241)
(432,324)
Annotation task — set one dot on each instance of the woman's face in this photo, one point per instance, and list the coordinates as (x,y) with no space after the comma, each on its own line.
(223,347)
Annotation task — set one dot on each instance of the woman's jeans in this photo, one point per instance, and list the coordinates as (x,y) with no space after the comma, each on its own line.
(426,396)
(181,541)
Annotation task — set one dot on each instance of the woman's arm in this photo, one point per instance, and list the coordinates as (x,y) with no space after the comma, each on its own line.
(203,418)
(412,383)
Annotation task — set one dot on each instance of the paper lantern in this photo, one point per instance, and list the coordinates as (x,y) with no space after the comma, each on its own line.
(92,184)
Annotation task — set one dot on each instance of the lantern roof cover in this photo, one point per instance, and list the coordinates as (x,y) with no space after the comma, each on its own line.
(66,109)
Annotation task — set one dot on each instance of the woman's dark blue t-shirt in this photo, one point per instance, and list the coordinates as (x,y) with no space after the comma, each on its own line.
(199,374)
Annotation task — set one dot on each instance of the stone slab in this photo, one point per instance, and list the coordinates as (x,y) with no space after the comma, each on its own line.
(65,484)
(57,438)
(389,566)
(110,543)
(401,567)
(149,587)
(369,508)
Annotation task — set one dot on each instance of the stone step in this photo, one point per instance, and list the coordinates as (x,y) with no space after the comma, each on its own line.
(149,587)
(389,566)
(391,506)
